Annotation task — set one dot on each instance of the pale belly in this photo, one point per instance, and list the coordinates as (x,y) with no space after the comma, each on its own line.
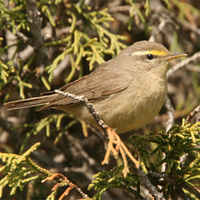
(132,115)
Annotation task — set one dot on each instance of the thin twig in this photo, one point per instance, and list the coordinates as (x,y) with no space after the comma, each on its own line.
(170,113)
(113,137)
(65,181)
(22,37)
(194,68)
(187,25)
(160,29)
(181,64)
(89,106)
(192,114)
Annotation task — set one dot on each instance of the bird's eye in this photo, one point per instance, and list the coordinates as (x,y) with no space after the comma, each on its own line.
(149,56)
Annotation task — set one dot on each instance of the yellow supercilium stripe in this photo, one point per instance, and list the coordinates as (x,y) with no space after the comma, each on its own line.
(153,52)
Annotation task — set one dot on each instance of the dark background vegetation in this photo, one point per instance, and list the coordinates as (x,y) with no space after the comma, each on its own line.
(64,40)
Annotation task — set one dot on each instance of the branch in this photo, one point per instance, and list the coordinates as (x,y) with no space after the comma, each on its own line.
(160,28)
(35,29)
(90,108)
(64,182)
(170,114)
(192,114)
(181,64)
(147,184)
(114,139)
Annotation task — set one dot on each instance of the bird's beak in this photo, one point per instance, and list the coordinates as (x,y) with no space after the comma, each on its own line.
(171,56)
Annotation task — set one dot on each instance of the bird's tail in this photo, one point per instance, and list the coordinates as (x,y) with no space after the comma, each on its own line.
(31,102)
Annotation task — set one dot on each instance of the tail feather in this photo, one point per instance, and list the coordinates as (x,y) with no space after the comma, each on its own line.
(31,102)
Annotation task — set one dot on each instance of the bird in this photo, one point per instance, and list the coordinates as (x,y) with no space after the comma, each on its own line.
(127,91)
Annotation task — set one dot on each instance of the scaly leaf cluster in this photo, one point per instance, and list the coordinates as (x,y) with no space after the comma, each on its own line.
(19,170)
(181,156)
(88,37)
(21,75)
(14,18)
(78,41)
(113,179)
(45,123)
(182,163)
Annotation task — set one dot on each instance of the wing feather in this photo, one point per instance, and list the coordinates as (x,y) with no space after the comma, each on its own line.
(95,86)
(102,82)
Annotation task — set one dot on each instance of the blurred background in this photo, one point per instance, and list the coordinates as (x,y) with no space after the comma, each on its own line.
(46,44)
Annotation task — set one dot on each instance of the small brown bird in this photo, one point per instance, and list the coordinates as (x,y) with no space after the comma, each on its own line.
(127,91)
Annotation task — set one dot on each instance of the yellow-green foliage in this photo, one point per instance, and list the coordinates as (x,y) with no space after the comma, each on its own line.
(19,170)
(89,38)
(181,173)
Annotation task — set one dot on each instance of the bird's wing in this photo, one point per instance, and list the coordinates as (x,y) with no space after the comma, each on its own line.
(95,86)
(101,83)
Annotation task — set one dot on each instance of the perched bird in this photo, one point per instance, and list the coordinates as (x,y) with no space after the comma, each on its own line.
(127,91)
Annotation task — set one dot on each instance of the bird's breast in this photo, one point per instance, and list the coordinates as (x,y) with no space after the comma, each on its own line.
(134,107)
